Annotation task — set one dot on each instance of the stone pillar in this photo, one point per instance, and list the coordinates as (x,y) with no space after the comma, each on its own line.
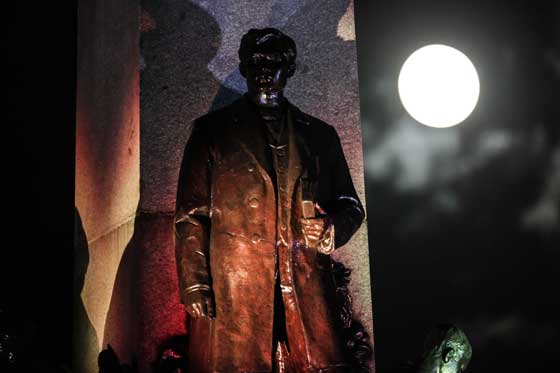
(107,167)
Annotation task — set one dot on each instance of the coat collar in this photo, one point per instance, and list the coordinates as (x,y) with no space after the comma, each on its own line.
(244,110)
(246,119)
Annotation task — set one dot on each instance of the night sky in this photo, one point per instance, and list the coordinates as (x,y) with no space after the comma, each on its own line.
(463,222)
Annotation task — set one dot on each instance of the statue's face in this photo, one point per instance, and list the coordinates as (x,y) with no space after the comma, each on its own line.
(267,74)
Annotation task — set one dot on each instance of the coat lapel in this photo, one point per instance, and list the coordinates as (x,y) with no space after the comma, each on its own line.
(250,134)
(249,131)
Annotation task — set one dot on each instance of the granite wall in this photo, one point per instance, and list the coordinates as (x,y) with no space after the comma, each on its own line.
(189,67)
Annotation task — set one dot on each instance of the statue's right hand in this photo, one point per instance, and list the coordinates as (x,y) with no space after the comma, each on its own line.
(200,304)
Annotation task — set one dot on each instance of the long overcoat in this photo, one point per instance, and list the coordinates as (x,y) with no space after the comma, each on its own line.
(231,225)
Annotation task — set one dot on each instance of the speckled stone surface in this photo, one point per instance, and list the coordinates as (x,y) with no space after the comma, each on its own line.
(142,310)
(189,67)
(158,310)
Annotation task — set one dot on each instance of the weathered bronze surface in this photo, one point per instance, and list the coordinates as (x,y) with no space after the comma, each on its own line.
(243,227)
(447,350)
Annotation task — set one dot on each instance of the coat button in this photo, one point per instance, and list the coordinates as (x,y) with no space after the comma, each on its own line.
(256,238)
(254,202)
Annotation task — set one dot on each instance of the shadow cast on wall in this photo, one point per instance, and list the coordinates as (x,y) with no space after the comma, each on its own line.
(178,39)
(85,338)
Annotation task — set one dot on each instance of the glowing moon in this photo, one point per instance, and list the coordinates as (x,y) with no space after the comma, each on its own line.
(438,86)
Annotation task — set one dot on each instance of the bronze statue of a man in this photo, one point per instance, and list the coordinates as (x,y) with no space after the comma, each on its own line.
(264,197)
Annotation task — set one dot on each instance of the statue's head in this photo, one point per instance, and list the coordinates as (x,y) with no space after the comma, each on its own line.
(267,59)
(447,350)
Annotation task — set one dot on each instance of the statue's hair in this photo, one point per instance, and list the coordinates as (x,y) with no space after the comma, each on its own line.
(267,37)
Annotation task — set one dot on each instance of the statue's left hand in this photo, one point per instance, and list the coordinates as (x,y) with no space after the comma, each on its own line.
(313,229)
(318,233)
(200,304)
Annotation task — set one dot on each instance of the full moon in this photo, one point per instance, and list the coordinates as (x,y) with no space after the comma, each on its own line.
(438,86)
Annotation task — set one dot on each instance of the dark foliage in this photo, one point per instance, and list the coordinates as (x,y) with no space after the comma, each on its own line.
(358,348)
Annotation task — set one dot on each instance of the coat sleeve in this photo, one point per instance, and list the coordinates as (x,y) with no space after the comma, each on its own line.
(192,214)
(346,212)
